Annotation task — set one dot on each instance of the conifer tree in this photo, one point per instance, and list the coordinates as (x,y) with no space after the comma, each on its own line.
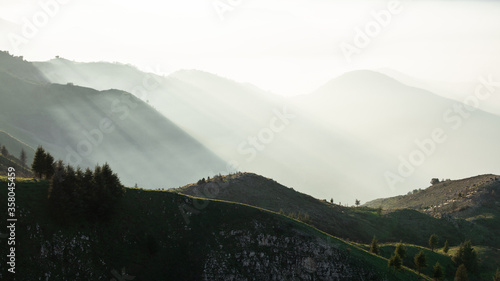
(433,241)
(374,248)
(467,256)
(4,151)
(39,162)
(437,273)
(461,274)
(400,250)
(420,261)
(396,262)
(48,165)
(446,247)
(23,157)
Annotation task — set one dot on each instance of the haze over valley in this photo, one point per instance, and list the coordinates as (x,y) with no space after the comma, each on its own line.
(250,140)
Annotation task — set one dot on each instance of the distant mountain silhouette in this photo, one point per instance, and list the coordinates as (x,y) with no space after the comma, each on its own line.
(83,127)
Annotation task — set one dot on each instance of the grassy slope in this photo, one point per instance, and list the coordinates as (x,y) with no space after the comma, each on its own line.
(360,224)
(15,146)
(357,224)
(11,161)
(474,204)
(387,250)
(441,195)
(149,237)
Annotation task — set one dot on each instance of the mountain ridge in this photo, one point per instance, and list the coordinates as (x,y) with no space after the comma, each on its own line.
(84,126)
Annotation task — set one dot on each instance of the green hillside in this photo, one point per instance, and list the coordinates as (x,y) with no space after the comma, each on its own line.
(450,196)
(150,238)
(362,223)
(10,160)
(356,224)
(15,146)
(471,204)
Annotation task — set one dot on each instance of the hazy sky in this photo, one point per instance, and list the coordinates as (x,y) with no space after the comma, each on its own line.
(286,46)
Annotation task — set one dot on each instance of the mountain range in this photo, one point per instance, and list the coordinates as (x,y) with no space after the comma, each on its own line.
(374,136)
(362,135)
(83,126)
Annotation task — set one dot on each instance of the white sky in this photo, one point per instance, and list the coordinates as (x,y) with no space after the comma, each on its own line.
(285,46)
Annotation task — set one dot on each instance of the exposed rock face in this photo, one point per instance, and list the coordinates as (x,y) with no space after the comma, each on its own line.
(258,256)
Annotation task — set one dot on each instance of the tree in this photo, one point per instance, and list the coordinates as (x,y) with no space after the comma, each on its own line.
(4,151)
(433,241)
(331,200)
(400,250)
(357,202)
(38,162)
(58,195)
(76,194)
(396,262)
(437,273)
(379,211)
(434,181)
(461,274)
(23,157)
(374,248)
(497,276)
(48,166)
(446,247)
(420,261)
(467,256)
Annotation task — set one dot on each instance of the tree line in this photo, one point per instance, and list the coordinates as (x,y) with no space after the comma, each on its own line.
(76,193)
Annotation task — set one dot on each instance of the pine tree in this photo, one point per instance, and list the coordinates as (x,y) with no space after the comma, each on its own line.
(396,262)
(446,247)
(467,256)
(39,162)
(461,274)
(400,250)
(48,166)
(357,202)
(437,273)
(76,194)
(433,241)
(57,196)
(374,246)
(23,157)
(420,261)
(4,151)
